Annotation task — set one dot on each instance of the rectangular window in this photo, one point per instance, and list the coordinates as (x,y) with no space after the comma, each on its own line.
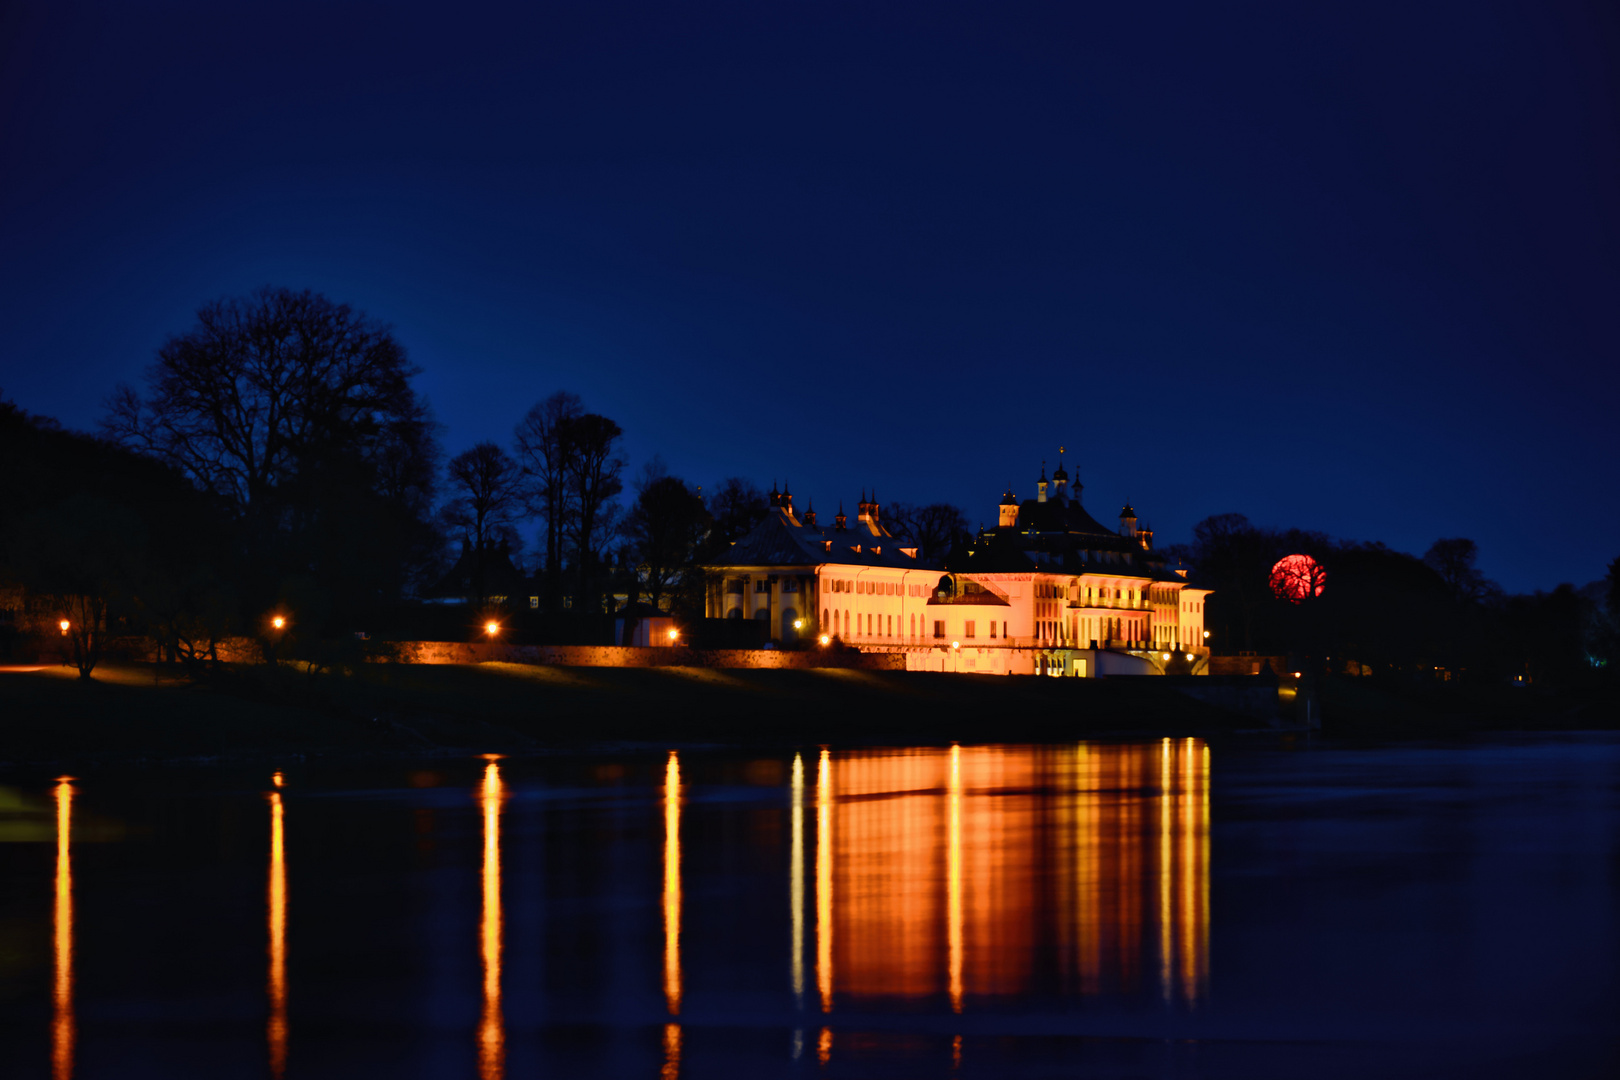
(790,584)
(967,628)
(534,603)
(992,628)
(891,627)
(939,628)
(761,585)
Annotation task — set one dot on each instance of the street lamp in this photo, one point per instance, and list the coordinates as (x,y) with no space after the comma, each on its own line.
(492,628)
(279,622)
(64,624)
(673,634)
(825,639)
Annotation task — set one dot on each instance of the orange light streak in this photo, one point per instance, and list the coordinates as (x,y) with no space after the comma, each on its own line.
(953,877)
(672,884)
(63,1029)
(824,885)
(276,983)
(491,1024)
(796,883)
(672,1052)
(824,1046)
(1166,799)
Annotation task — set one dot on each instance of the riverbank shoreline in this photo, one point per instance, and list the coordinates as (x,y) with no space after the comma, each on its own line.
(139,715)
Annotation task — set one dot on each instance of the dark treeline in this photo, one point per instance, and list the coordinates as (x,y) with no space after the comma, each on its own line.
(278,462)
(1384,613)
(278,476)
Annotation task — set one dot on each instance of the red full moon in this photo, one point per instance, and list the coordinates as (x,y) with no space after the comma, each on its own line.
(1296,578)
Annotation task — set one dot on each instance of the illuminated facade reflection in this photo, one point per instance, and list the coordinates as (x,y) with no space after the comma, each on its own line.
(276,983)
(956,873)
(62,1023)
(672,914)
(491,1023)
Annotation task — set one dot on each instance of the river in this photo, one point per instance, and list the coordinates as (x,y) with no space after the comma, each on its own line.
(1168,908)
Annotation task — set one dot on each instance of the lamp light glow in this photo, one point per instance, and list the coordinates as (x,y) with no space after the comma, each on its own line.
(673,634)
(279,622)
(825,639)
(492,628)
(64,624)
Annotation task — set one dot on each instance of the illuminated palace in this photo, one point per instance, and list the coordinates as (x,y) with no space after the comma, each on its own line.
(1049,590)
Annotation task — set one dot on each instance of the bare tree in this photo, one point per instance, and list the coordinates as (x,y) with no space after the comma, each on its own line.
(545,454)
(265,382)
(935,528)
(594,477)
(488,500)
(299,415)
(667,524)
(736,505)
(1454,560)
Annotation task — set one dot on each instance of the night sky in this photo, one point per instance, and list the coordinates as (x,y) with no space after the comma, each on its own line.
(1356,271)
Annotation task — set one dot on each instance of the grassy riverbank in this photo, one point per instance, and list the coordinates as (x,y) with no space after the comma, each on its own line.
(126,713)
(133,714)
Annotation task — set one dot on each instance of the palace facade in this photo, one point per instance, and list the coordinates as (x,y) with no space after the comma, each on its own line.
(1049,590)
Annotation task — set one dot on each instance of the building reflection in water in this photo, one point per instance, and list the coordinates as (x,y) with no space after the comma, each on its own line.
(796,898)
(276,909)
(672,914)
(958,872)
(491,1023)
(62,1025)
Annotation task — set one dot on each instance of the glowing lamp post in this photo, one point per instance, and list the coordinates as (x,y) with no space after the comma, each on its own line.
(956,656)
(492,628)
(64,624)
(826,639)
(673,634)
(279,622)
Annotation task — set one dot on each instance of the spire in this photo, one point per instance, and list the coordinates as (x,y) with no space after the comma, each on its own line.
(810,515)
(1040,485)
(839,519)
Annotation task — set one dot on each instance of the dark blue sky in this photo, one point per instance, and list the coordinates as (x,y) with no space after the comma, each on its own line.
(1357,271)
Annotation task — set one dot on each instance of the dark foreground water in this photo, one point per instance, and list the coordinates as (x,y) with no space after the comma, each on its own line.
(1147,909)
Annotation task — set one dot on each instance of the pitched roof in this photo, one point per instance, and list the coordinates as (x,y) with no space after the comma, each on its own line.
(783,540)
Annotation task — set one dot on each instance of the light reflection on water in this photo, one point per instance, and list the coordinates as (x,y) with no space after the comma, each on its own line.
(62,1025)
(276,983)
(943,872)
(945,908)
(672,915)
(491,1022)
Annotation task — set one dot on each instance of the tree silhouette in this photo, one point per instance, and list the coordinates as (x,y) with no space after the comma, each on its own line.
(488,500)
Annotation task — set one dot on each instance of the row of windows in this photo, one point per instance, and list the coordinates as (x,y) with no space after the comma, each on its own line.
(868,588)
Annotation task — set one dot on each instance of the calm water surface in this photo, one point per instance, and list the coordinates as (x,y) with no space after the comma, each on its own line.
(1149,909)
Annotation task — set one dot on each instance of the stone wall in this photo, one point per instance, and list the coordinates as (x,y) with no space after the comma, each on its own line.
(451,652)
